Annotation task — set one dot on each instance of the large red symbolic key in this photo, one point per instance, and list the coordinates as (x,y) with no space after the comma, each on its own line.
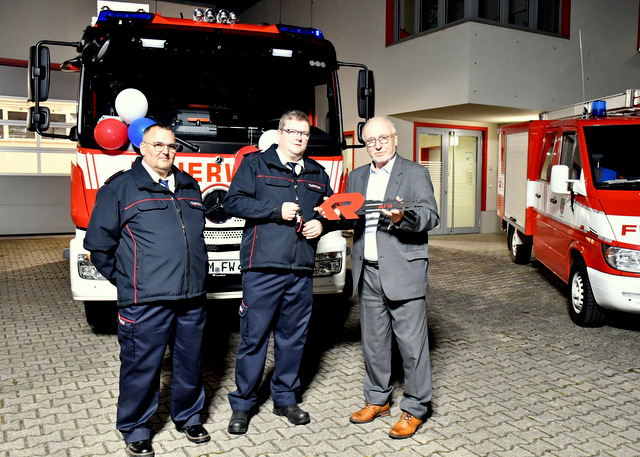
(354,200)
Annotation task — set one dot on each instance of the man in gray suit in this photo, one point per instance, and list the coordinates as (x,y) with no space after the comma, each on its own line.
(390,266)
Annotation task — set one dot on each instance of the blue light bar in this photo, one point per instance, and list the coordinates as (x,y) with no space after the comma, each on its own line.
(301,30)
(109,17)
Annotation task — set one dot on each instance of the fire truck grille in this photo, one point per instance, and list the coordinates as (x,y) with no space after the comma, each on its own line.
(222,240)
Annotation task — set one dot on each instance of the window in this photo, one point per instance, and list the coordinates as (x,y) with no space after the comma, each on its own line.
(413,17)
(545,168)
(571,154)
(24,152)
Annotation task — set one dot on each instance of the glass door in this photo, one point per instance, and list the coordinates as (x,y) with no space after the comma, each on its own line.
(454,162)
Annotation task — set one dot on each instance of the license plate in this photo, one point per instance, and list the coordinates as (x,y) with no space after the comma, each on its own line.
(224,267)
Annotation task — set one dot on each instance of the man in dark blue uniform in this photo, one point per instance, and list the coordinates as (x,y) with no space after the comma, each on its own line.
(277,192)
(146,237)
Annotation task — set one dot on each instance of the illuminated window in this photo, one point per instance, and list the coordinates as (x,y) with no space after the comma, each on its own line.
(25,152)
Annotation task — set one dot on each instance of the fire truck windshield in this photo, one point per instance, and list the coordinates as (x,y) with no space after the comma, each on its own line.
(219,91)
(614,155)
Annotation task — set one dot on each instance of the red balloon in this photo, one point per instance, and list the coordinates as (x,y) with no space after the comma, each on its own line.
(111,133)
(241,153)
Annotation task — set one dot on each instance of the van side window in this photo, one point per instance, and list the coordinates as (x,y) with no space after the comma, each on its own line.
(571,154)
(547,157)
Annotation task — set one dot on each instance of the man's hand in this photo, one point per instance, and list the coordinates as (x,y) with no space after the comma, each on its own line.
(322,212)
(312,229)
(289,210)
(395,214)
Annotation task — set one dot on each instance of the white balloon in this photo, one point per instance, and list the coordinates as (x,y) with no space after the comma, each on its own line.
(131,104)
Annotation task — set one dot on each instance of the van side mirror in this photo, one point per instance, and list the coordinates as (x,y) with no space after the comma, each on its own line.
(38,73)
(560,179)
(366,97)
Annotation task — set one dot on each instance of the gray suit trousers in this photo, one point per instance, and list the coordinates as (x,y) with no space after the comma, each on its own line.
(379,317)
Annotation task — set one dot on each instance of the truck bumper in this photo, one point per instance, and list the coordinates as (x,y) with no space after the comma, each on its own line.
(621,293)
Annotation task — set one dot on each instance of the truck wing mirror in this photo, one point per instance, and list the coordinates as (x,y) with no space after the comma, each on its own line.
(560,181)
(38,119)
(366,98)
(39,75)
(360,132)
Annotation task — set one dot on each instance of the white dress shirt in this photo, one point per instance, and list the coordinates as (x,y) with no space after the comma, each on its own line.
(376,188)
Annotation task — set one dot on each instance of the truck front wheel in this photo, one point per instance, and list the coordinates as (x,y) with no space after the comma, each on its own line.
(102,316)
(583,308)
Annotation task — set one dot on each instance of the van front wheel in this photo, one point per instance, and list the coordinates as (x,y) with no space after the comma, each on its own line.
(583,308)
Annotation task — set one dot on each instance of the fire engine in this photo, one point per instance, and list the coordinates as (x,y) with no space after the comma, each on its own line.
(569,187)
(221,85)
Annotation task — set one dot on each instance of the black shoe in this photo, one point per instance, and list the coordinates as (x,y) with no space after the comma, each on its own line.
(140,448)
(293,412)
(196,434)
(239,423)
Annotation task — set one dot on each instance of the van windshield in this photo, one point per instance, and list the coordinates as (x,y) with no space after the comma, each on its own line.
(614,154)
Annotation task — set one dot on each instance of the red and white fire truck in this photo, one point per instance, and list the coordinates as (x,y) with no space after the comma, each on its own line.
(569,186)
(221,85)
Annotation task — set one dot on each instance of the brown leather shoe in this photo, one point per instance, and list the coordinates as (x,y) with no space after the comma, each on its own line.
(369,413)
(406,427)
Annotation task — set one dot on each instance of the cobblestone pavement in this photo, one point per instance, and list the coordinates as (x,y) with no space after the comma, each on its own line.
(512,375)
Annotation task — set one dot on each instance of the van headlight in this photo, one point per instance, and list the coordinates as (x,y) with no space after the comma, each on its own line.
(328,263)
(86,270)
(622,259)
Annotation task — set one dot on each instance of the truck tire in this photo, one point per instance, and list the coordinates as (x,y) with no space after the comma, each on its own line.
(520,252)
(102,316)
(583,308)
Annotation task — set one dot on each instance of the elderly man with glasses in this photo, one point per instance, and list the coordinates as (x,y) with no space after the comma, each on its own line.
(390,266)
(146,237)
(276,192)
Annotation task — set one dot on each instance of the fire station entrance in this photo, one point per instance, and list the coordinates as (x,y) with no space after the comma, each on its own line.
(454,160)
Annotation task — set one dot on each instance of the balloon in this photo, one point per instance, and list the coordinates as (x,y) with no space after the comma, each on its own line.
(243,151)
(110,133)
(131,104)
(137,128)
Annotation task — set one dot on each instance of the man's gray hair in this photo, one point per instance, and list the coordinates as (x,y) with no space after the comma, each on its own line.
(382,118)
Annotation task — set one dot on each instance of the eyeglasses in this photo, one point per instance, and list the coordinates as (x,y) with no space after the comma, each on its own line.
(293,132)
(384,139)
(159,146)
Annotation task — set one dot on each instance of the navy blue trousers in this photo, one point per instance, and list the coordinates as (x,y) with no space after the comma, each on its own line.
(272,301)
(144,332)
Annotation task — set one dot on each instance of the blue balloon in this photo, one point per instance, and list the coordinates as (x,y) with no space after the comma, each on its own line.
(136,128)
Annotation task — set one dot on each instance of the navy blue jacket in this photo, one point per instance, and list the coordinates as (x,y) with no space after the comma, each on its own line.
(258,189)
(147,240)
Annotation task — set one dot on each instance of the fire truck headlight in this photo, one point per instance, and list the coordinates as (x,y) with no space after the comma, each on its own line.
(328,263)
(622,259)
(86,270)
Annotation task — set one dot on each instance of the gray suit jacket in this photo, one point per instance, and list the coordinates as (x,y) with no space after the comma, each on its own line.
(403,253)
